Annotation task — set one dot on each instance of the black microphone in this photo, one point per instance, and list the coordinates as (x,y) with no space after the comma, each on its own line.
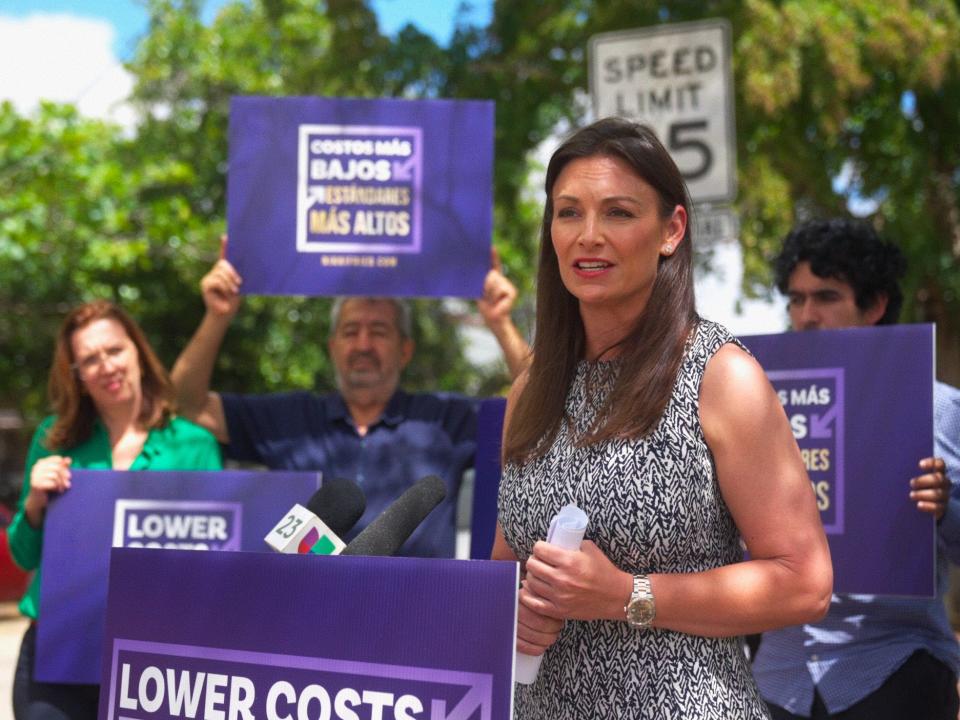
(386,534)
(316,529)
(339,503)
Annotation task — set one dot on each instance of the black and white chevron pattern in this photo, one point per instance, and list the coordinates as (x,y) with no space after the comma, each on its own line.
(654,507)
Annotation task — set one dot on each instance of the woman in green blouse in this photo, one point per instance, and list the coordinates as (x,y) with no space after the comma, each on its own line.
(113,409)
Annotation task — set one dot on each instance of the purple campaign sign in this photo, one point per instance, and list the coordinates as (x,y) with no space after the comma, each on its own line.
(334,196)
(279,636)
(172,510)
(860,404)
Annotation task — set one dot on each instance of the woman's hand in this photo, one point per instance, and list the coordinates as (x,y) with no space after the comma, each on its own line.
(48,475)
(535,633)
(574,585)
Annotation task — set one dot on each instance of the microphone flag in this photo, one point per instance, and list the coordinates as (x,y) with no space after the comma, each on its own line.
(301,532)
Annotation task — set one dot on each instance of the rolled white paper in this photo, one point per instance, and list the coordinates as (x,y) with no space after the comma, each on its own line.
(566,531)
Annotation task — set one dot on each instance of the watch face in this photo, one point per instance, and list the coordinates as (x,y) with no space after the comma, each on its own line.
(640,612)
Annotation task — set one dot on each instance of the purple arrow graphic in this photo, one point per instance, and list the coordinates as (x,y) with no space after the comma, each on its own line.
(820,424)
(403,169)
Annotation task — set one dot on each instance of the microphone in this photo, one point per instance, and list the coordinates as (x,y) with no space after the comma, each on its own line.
(316,529)
(390,530)
(339,503)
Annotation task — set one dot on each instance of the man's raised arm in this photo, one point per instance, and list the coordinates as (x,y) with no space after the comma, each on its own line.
(192,371)
(495,306)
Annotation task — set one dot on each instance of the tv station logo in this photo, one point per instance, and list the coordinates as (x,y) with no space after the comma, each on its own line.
(303,533)
(178,524)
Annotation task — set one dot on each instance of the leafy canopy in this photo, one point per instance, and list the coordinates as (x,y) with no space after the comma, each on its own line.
(836,102)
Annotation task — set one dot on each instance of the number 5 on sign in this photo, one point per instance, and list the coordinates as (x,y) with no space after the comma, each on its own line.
(676,79)
(683,143)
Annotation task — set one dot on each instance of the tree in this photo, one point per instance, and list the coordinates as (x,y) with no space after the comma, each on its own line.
(186,73)
(87,212)
(76,212)
(870,90)
(866,90)
(862,90)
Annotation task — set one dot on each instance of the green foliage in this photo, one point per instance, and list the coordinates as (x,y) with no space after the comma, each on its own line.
(87,212)
(81,218)
(867,90)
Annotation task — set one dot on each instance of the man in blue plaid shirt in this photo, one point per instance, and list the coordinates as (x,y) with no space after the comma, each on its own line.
(871,657)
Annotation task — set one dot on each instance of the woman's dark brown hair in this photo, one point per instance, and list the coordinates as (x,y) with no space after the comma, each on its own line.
(75,411)
(650,353)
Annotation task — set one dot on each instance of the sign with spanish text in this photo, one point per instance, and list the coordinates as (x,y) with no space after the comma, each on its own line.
(265,637)
(677,79)
(347,196)
(860,405)
(227,511)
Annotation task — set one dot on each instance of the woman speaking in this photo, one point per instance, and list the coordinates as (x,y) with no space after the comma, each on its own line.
(666,432)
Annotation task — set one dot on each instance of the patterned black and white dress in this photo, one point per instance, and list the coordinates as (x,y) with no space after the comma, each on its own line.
(654,507)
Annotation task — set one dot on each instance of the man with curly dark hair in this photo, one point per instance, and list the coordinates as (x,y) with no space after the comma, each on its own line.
(840,257)
(870,657)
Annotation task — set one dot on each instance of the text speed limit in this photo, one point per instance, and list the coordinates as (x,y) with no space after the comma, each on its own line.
(677,79)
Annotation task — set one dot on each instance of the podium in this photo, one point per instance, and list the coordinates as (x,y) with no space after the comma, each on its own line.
(257,635)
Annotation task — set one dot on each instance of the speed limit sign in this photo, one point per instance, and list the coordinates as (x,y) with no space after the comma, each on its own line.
(676,79)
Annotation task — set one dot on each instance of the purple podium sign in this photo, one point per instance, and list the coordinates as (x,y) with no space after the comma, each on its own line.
(860,404)
(333,196)
(252,635)
(171,510)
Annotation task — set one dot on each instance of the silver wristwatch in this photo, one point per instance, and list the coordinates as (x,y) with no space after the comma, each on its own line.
(640,608)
